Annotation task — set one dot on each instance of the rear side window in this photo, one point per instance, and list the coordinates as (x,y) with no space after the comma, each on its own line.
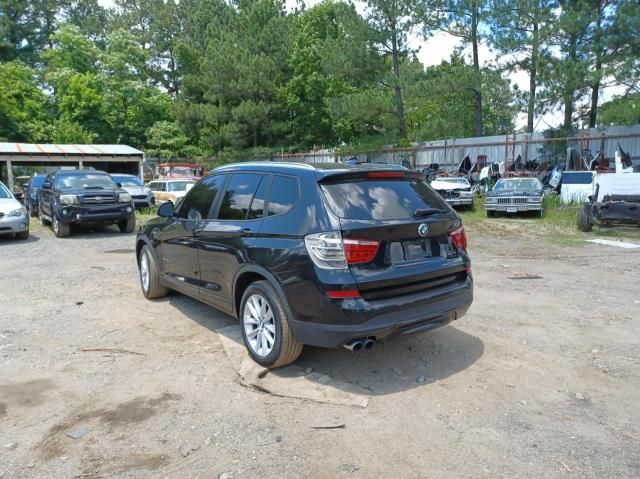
(381,199)
(257,205)
(238,196)
(284,194)
(197,203)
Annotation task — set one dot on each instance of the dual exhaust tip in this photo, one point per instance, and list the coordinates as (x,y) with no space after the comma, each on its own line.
(362,344)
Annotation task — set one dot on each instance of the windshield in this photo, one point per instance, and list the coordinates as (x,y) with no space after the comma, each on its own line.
(86,181)
(381,199)
(179,185)
(4,192)
(519,184)
(128,180)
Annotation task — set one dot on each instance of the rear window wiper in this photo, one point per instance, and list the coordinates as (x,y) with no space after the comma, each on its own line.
(426,212)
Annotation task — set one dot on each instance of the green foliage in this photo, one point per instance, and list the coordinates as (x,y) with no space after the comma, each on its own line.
(23,114)
(621,111)
(241,79)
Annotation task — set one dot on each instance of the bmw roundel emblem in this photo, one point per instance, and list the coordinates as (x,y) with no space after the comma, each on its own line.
(423,230)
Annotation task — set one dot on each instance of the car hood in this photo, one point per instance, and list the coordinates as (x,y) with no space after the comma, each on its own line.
(9,204)
(447,185)
(136,190)
(515,193)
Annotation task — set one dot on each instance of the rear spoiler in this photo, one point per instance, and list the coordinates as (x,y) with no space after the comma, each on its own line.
(342,176)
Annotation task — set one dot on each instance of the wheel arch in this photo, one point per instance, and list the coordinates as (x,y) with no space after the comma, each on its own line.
(250,274)
(141,241)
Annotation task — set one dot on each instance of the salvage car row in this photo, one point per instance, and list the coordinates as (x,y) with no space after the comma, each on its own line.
(66,197)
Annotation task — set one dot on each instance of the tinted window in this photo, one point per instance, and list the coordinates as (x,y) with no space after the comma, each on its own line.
(257,205)
(284,194)
(584,178)
(238,196)
(381,199)
(197,204)
(37,180)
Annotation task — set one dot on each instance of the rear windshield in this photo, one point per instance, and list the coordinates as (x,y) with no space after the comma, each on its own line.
(37,180)
(381,199)
(584,178)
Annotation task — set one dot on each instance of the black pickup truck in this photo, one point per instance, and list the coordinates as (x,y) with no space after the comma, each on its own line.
(84,197)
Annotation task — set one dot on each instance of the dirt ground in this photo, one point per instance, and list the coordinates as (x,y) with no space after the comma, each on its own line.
(540,379)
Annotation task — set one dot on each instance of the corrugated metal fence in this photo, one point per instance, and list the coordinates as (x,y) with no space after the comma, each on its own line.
(449,153)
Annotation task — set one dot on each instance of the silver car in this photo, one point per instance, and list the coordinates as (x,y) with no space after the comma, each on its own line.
(14,219)
(142,195)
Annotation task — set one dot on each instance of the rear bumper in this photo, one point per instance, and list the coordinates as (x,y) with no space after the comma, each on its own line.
(111,213)
(383,318)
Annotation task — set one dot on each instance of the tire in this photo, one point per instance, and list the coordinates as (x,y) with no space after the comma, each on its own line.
(151,287)
(491,214)
(24,235)
(128,225)
(61,230)
(33,212)
(43,222)
(261,302)
(584,219)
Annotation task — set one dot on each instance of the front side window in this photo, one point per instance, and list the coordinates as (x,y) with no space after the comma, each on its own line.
(197,203)
(238,196)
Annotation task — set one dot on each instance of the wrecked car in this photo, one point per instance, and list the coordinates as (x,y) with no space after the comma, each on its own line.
(515,195)
(615,200)
(455,191)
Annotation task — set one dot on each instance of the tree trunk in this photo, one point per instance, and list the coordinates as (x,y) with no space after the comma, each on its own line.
(476,69)
(533,71)
(597,74)
(395,54)
(570,87)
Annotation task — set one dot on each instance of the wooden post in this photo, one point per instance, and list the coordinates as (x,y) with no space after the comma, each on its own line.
(10,175)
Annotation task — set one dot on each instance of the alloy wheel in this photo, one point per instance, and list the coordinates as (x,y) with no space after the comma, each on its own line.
(144,271)
(259,325)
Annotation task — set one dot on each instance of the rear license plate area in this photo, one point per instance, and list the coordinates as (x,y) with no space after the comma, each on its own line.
(416,250)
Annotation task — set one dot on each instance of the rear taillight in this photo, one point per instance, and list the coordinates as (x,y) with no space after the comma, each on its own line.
(459,239)
(360,251)
(330,251)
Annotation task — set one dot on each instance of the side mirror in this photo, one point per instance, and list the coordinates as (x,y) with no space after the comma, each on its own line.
(119,185)
(166,210)
(46,185)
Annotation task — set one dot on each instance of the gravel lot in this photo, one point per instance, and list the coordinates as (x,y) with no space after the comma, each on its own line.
(540,379)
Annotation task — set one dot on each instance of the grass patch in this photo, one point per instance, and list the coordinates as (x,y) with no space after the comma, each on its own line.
(145,214)
(558,225)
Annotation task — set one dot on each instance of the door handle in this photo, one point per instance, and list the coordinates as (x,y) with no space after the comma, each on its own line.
(245,231)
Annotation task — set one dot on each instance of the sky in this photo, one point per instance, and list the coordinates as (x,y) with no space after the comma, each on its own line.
(440,46)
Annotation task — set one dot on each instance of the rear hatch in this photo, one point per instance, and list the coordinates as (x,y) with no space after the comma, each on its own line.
(412,224)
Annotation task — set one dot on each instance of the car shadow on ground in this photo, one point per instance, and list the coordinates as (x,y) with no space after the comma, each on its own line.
(10,239)
(394,365)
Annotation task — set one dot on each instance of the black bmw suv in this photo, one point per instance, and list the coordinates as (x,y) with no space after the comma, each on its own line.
(325,255)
